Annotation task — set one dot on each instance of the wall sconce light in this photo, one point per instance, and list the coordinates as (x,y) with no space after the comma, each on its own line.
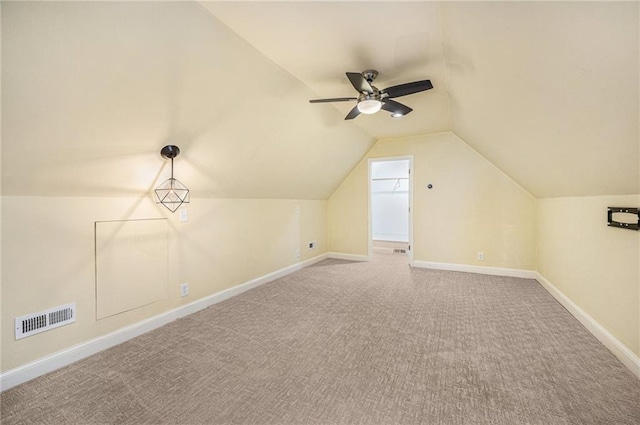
(171,193)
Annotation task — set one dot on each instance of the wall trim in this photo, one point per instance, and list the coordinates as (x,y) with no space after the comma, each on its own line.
(617,348)
(49,363)
(348,257)
(494,271)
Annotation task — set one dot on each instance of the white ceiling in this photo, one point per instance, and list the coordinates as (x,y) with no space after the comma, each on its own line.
(91,91)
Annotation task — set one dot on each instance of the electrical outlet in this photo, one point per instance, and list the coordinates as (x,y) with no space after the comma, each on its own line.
(184,289)
(480,256)
(297,253)
(313,244)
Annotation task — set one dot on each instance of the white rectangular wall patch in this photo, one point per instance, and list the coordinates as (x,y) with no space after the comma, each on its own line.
(131,264)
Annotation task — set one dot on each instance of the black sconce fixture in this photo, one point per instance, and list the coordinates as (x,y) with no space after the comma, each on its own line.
(171,193)
(624,210)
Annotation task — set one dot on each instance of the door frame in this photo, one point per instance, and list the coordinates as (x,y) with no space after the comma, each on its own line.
(370,161)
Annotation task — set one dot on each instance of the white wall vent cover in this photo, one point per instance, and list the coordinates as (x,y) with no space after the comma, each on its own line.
(35,323)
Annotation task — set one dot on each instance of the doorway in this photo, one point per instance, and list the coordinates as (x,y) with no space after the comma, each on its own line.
(390,200)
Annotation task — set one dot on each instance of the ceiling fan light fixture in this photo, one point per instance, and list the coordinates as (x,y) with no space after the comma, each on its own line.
(369,106)
(371,99)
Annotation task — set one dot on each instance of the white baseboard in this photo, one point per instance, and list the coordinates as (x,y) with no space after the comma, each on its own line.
(349,257)
(617,348)
(494,271)
(39,367)
(34,369)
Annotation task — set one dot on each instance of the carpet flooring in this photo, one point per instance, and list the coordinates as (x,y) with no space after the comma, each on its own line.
(350,343)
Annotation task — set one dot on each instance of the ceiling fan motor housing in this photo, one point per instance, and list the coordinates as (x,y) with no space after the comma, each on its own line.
(370,75)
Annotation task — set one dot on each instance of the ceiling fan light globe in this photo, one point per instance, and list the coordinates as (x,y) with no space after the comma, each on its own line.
(369,106)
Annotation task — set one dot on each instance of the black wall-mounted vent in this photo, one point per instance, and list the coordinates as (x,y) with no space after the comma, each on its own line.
(623,210)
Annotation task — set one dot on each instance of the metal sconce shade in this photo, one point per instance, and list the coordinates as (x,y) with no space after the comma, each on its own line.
(171,193)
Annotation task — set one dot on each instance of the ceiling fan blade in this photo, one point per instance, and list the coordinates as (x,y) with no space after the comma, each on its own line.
(395,107)
(353,113)
(359,82)
(335,99)
(408,88)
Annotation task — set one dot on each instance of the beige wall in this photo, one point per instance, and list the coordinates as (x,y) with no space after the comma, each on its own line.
(595,266)
(48,257)
(85,114)
(95,89)
(521,78)
(84,146)
(472,207)
(347,214)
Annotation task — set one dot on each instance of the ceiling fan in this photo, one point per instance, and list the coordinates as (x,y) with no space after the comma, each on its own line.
(371,100)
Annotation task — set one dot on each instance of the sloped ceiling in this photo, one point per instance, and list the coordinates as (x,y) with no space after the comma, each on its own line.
(319,41)
(547,91)
(91,91)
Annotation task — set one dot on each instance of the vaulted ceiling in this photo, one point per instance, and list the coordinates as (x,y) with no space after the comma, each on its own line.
(318,42)
(547,91)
